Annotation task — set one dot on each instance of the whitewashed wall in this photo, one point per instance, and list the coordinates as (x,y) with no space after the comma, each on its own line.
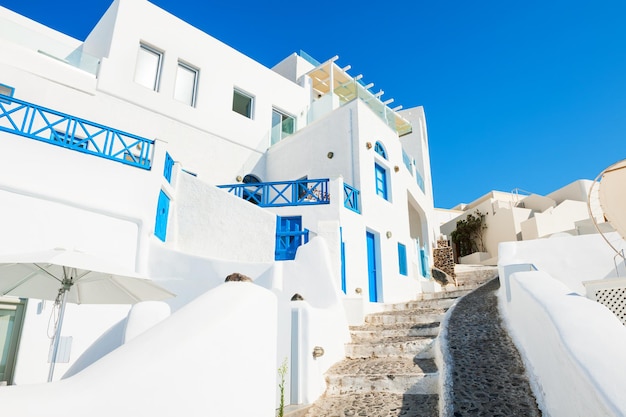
(571,345)
(178,367)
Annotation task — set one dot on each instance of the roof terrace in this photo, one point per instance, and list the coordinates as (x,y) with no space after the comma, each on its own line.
(329,78)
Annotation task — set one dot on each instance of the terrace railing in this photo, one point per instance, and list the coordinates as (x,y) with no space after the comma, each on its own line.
(46,125)
(351,198)
(282,193)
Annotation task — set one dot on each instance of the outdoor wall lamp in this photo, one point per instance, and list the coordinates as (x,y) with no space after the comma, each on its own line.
(388,234)
(396,168)
(330,155)
(368,145)
(358,290)
(318,351)
(239,179)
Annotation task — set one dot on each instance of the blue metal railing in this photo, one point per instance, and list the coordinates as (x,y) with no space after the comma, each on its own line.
(282,193)
(351,198)
(46,125)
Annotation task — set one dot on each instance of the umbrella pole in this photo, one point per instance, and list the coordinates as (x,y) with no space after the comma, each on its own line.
(57,334)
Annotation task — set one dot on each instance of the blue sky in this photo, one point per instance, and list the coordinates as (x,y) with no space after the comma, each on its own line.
(528,95)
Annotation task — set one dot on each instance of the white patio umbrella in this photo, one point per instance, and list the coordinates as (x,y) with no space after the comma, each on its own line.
(72,276)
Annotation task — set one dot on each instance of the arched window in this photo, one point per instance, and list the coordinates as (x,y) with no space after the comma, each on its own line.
(380,150)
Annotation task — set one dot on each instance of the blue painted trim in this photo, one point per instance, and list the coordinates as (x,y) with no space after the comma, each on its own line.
(372,276)
(343,261)
(381,181)
(351,198)
(282,193)
(380,149)
(56,128)
(167,168)
(424,260)
(289,236)
(163,209)
(402,264)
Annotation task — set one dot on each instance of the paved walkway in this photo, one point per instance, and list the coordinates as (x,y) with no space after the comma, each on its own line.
(487,374)
(399,378)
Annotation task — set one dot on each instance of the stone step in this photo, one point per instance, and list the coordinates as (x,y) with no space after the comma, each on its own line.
(375,404)
(421,304)
(360,333)
(421,316)
(395,375)
(389,346)
(456,293)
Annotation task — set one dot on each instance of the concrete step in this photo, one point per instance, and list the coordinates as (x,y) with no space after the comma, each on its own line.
(421,316)
(375,404)
(390,346)
(360,333)
(395,375)
(421,304)
(452,293)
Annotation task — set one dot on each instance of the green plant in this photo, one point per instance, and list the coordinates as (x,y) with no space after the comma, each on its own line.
(282,372)
(469,234)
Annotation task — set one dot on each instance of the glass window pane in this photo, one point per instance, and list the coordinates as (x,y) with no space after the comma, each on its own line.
(148,67)
(242,104)
(185,90)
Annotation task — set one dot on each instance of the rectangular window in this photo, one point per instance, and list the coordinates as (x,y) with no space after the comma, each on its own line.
(148,68)
(402,264)
(186,84)
(243,103)
(381,181)
(283,125)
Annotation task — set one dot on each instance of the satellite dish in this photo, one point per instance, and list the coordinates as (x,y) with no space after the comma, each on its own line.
(607,201)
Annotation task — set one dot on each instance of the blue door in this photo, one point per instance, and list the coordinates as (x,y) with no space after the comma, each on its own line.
(371,266)
(289,235)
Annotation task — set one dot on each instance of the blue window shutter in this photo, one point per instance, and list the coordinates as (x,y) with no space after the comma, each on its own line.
(167,168)
(381,181)
(402,264)
(163,208)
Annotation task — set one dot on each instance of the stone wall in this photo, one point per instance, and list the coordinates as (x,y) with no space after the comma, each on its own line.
(444,258)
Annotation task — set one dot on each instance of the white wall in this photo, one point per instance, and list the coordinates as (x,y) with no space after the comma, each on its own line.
(572,346)
(210,222)
(178,367)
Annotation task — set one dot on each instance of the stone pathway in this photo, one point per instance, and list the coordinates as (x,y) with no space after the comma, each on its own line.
(389,368)
(487,374)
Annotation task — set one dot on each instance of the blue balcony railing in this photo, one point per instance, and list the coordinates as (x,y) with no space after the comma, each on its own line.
(285,193)
(46,125)
(351,198)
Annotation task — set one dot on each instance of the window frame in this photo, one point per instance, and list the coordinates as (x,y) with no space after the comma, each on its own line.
(384,190)
(402,260)
(284,116)
(251,97)
(159,66)
(196,75)
(379,148)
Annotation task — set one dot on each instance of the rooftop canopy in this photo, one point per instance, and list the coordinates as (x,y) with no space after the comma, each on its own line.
(330,78)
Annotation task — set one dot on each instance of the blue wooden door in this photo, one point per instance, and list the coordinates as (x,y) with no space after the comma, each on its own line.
(371,267)
(288,237)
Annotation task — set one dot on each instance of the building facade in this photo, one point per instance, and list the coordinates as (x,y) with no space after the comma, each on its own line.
(179,158)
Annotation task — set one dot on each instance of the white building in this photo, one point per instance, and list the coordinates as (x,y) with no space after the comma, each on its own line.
(524,216)
(141,147)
